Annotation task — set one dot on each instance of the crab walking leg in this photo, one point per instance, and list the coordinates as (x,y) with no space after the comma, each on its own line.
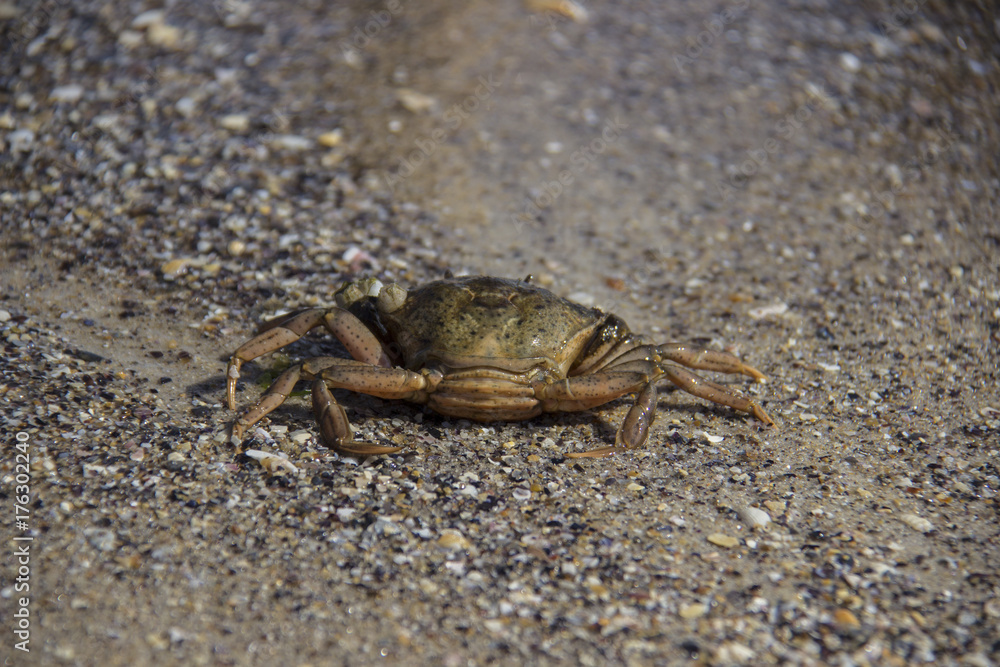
(393,383)
(281,331)
(703,359)
(698,386)
(634,430)
(642,368)
(275,395)
(336,429)
(588,391)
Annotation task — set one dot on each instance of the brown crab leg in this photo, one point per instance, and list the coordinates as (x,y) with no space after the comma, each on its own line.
(642,367)
(393,383)
(656,360)
(704,359)
(634,429)
(698,386)
(698,358)
(275,395)
(588,391)
(581,393)
(281,331)
(336,429)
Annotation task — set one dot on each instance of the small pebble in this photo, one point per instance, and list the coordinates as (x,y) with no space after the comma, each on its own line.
(331,139)
(850,62)
(20,141)
(845,619)
(276,465)
(415,102)
(725,541)
(130,39)
(452,539)
(300,437)
(148,18)
(186,107)
(521,493)
(235,122)
(71,93)
(917,522)
(568,8)
(689,611)
(292,142)
(101,539)
(772,310)
(174,268)
(161,34)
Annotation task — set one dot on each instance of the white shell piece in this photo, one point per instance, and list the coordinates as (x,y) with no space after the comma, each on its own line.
(753,517)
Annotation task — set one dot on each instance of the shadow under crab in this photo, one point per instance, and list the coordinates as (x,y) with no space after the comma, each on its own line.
(485,349)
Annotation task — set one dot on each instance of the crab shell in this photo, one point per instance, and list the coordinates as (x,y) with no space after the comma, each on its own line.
(490,338)
(482,348)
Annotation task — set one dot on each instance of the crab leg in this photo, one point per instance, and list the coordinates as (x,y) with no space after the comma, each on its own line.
(634,429)
(584,392)
(275,395)
(349,374)
(698,358)
(588,391)
(281,331)
(642,367)
(392,383)
(698,386)
(336,429)
(703,359)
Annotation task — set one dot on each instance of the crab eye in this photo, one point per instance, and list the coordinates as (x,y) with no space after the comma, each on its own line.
(391,298)
(348,295)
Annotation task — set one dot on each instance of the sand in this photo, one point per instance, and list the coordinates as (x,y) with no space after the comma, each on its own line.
(812,186)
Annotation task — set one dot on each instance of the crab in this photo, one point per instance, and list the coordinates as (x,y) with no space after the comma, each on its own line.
(480,348)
